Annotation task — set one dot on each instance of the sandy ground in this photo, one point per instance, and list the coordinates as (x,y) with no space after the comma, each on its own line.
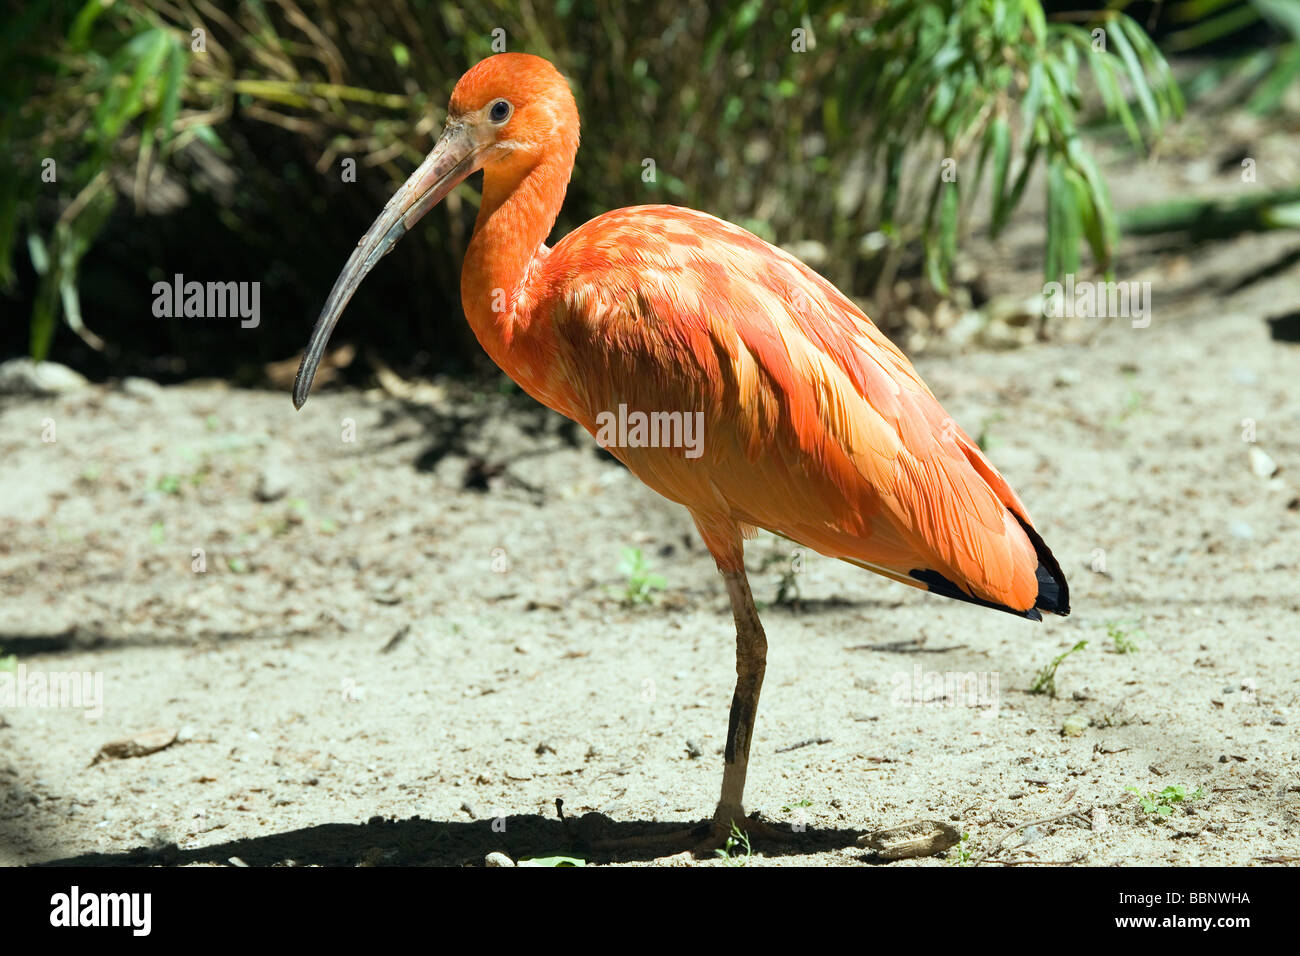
(403,648)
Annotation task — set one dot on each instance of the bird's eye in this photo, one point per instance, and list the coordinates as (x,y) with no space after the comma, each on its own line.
(500,111)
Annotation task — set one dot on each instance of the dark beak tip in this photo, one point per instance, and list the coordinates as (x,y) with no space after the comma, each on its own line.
(301,389)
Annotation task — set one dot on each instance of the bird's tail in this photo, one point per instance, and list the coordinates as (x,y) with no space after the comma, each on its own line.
(1053,589)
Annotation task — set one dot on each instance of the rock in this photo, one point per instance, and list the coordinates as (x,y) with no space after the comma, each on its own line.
(1261,463)
(136,745)
(1074,725)
(1100,820)
(138,387)
(22,376)
(273,482)
(966,328)
(917,838)
(497,859)
(1067,376)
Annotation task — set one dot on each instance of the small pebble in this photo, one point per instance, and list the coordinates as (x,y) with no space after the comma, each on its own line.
(274,482)
(22,376)
(1241,530)
(1261,464)
(1074,725)
(138,387)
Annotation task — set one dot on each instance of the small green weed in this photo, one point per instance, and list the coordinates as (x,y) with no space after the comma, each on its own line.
(641,582)
(1164,803)
(1045,682)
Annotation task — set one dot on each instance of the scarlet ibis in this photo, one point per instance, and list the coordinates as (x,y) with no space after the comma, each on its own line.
(815,426)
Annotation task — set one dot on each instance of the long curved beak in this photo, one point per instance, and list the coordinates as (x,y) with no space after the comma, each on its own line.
(453,159)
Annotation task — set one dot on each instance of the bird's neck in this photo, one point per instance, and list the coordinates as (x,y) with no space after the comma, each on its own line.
(515,216)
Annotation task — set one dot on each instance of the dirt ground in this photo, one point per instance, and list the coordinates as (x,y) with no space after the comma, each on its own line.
(403,648)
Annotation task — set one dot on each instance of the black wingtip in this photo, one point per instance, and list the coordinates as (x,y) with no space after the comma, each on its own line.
(938,584)
(1053,589)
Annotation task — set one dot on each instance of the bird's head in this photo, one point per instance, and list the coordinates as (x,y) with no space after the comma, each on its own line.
(508,114)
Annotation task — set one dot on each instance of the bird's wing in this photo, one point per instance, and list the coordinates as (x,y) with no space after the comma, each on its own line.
(815,426)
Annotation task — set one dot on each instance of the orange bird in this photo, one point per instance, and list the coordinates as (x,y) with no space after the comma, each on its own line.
(814,425)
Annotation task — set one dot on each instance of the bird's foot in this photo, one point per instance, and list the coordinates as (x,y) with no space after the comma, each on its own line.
(730,831)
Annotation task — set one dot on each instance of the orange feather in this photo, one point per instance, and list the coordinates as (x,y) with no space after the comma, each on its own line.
(815,426)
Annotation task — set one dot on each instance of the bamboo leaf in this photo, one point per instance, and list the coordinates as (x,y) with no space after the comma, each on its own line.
(1001,139)
(1135,72)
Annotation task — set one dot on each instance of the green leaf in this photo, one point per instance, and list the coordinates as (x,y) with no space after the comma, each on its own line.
(1269,94)
(40,255)
(177,60)
(79,35)
(1137,76)
(1112,97)
(948,220)
(1000,135)
(1030,106)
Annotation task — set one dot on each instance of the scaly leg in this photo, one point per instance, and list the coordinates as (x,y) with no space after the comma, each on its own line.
(751,662)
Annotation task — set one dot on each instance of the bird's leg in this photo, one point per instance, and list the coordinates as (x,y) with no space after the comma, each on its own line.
(751,663)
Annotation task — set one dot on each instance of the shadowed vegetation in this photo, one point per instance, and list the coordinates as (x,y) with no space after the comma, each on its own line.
(215,140)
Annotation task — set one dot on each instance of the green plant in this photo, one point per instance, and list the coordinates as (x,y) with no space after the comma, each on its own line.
(738,837)
(102,96)
(1125,641)
(1132,406)
(996,79)
(1266,71)
(641,582)
(1164,803)
(787,589)
(1045,681)
(801,802)
(961,854)
(8,663)
(172,484)
(824,122)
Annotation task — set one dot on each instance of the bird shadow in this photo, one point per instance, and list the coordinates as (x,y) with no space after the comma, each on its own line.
(420,842)
(457,428)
